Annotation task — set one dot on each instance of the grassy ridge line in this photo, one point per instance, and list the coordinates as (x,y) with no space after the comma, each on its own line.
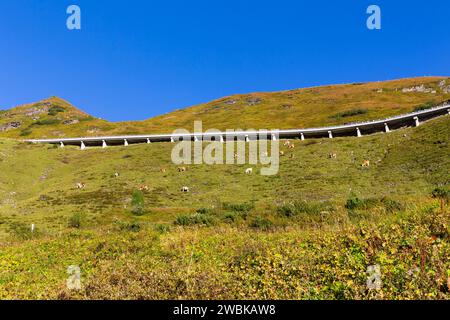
(300,108)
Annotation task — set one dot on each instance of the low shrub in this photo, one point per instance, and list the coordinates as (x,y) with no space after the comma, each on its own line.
(21,230)
(53,111)
(25,133)
(392,205)
(355,203)
(311,208)
(162,228)
(195,219)
(424,106)
(46,122)
(138,203)
(231,217)
(261,223)
(205,211)
(441,193)
(287,210)
(75,221)
(238,207)
(134,226)
(349,113)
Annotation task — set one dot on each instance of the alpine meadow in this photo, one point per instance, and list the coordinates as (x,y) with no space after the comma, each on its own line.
(140,227)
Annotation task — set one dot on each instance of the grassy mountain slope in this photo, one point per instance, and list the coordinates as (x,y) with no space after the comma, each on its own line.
(284,236)
(309,232)
(52,117)
(301,108)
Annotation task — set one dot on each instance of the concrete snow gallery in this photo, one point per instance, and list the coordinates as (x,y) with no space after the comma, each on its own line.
(232,144)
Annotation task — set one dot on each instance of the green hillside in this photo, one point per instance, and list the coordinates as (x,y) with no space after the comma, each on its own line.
(301,108)
(309,232)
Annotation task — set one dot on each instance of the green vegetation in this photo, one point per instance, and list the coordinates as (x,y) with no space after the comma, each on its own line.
(55,109)
(261,223)
(138,203)
(25,132)
(195,219)
(134,226)
(309,232)
(20,230)
(350,113)
(355,203)
(425,106)
(296,208)
(442,193)
(46,122)
(75,220)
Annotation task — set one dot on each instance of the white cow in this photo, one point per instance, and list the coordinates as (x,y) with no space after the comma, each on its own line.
(80,185)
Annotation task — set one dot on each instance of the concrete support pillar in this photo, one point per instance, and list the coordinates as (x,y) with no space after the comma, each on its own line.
(221,139)
(247,139)
(302,136)
(448,111)
(61,144)
(83,146)
(274,137)
(358,133)
(195,138)
(104,145)
(125,142)
(330,134)
(416,121)
(386,128)
(148,141)
(172,139)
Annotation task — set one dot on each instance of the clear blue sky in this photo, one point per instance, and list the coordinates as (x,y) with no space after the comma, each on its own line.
(136,59)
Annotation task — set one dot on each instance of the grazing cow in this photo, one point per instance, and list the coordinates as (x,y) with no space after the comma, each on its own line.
(144,188)
(291,146)
(366,163)
(163,170)
(185,189)
(80,185)
(182,169)
(249,171)
(116,174)
(332,155)
(281,153)
(287,143)
(292,156)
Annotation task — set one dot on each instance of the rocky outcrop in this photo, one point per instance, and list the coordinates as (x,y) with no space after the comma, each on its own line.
(37,109)
(231,102)
(421,89)
(71,121)
(253,101)
(10,126)
(444,87)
